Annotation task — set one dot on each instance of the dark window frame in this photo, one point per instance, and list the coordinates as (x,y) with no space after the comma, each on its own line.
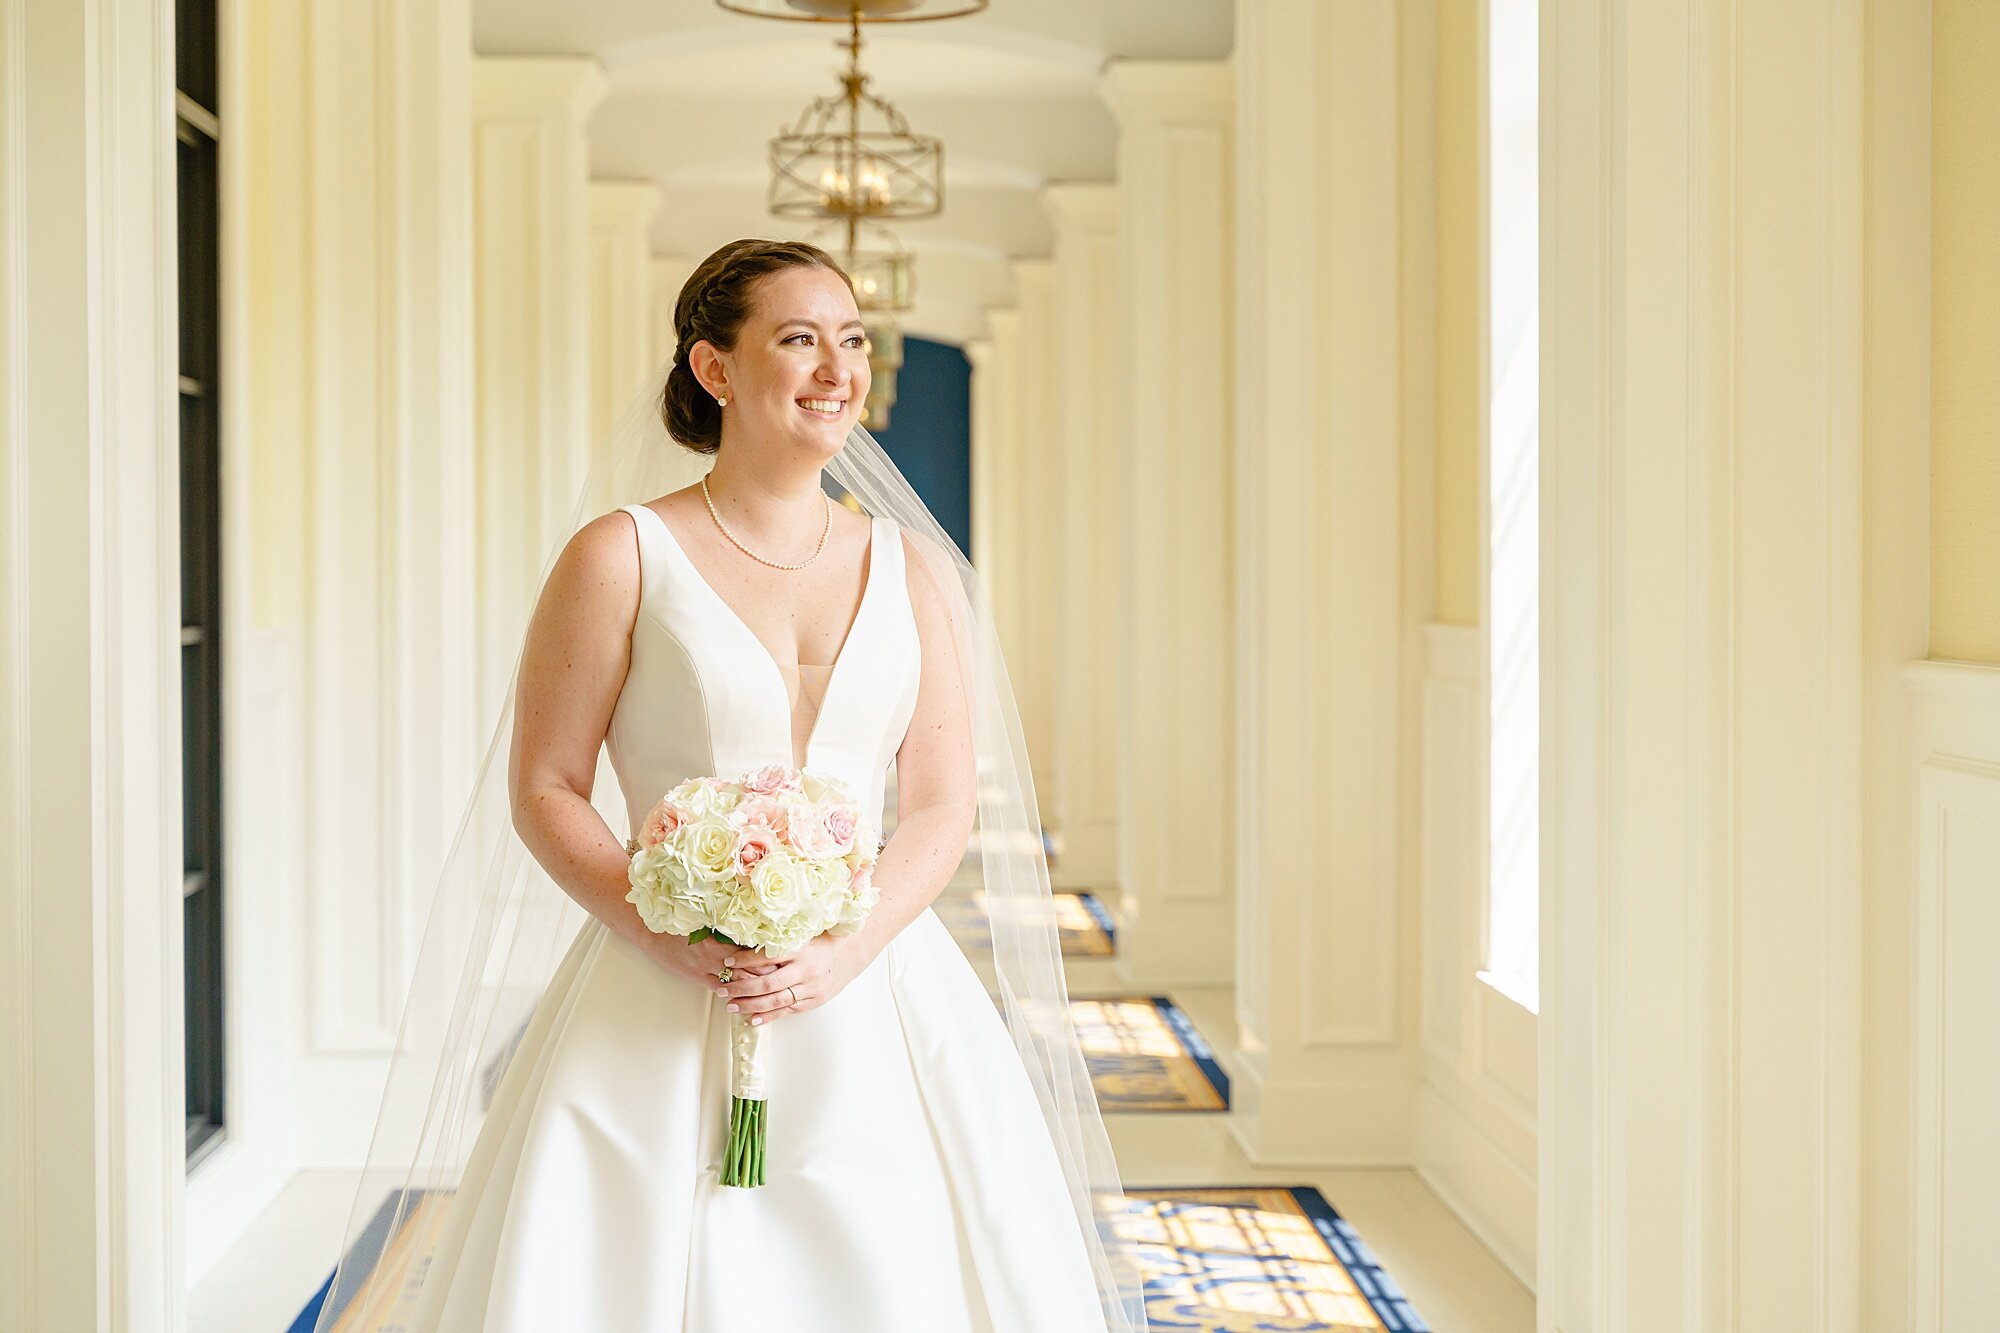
(198,131)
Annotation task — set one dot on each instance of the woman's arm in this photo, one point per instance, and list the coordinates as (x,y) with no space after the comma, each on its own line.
(573,666)
(937,803)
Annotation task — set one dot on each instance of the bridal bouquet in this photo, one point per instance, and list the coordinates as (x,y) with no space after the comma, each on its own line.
(765,862)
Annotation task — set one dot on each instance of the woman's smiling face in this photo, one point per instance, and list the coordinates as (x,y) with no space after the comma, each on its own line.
(799,371)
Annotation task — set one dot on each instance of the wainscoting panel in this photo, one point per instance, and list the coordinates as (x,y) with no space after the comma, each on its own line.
(1474,1138)
(1957,1002)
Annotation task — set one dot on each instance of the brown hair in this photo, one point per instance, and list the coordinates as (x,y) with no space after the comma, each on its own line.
(712,306)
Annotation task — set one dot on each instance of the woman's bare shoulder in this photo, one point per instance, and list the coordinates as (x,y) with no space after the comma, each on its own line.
(600,562)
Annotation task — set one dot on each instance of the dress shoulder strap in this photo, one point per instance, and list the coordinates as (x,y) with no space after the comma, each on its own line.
(652,557)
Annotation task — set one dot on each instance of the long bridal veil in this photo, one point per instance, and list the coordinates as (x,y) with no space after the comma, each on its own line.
(498,926)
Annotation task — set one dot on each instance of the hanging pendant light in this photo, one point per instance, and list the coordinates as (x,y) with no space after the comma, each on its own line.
(882,272)
(845,11)
(854,157)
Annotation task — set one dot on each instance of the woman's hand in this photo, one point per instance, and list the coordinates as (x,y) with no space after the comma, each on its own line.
(701,963)
(803,982)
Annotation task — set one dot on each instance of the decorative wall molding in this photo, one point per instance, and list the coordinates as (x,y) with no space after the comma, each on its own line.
(1035,449)
(1702,557)
(1093,469)
(622,327)
(1177,907)
(1955,1203)
(1474,1136)
(92,1096)
(669,273)
(1323,979)
(532,383)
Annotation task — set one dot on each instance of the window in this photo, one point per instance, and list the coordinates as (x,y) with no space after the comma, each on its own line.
(197,129)
(1512,473)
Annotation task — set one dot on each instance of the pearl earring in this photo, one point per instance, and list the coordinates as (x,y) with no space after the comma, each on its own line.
(722,402)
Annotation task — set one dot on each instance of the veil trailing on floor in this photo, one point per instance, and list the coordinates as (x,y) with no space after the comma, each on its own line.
(499,926)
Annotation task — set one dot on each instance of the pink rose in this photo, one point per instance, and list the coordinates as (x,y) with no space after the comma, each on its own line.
(660,824)
(759,810)
(841,823)
(770,780)
(862,877)
(810,835)
(756,842)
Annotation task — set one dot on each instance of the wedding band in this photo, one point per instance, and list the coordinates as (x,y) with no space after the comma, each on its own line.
(794,991)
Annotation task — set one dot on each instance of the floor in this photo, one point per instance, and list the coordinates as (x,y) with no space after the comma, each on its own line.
(1456,1284)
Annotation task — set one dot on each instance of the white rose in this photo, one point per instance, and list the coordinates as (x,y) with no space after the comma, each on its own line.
(708,845)
(818,787)
(781,885)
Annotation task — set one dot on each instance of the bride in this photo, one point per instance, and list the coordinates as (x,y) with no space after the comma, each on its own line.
(549,1151)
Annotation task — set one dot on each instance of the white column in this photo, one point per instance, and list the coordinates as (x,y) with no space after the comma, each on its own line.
(1702,558)
(1319,621)
(1037,556)
(91,1140)
(979,354)
(533,385)
(669,272)
(621,297)
(1094,471)
(996,518)
(1176,227)
(350,552)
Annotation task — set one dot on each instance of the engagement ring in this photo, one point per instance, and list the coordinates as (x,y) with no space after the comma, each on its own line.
(724,975)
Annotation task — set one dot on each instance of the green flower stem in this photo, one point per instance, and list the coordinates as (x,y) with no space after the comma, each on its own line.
(743,1158)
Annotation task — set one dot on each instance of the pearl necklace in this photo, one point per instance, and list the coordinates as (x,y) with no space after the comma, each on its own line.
(752,554)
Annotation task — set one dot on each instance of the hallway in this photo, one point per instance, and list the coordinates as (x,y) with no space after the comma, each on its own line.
(1454,1282)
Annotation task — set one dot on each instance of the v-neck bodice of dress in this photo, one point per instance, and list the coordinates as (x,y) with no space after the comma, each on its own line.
(703,696)
(807,685)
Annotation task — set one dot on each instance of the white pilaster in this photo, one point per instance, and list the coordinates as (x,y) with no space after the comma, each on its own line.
(1092,475)
(1702,594)
(1319,622)
(91,1096)
(996,518)
(351,552)
(1176,204)
(669,272)
(621,297)
(532,353)
(1037,558)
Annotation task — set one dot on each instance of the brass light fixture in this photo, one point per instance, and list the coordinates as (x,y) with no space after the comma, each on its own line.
(854,157)
(864,11)
(853,160)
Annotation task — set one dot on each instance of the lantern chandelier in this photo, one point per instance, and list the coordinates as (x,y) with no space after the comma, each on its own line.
(854,157)
(852,160)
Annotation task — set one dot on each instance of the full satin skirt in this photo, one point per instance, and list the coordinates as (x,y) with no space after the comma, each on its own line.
(912,1186)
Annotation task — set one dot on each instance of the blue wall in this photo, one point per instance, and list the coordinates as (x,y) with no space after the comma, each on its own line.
(930,432)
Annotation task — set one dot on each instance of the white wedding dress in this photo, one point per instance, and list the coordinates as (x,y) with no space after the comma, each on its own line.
(912,1183)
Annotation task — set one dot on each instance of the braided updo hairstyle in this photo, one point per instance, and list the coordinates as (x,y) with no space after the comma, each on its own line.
(712,306)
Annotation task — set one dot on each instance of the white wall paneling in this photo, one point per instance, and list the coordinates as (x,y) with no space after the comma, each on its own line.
(532,380)
(1474,1129)
(1321,969)
(622,327)
(1896,498)
(669,272)
(91,1081)
(1702,593)
(1956,1196)
(1091,477)
(352,541)
(996,519)
(1176,229)
(1037,561)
